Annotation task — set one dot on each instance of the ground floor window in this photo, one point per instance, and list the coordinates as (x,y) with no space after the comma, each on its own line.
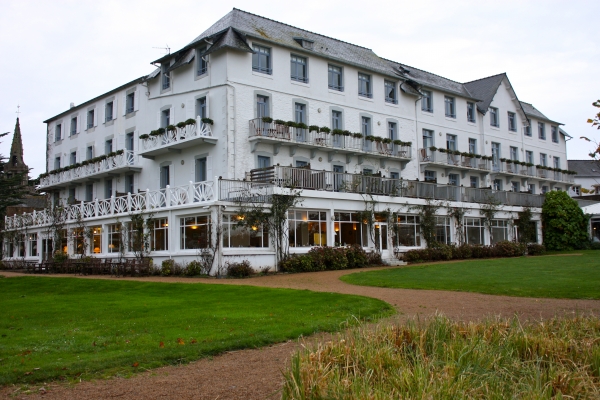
(21,246)
(474,230)
(595,230)
(96,239)
(64,241)
(115,237)
(195,232)
(241,236)
(79,239)
(9,248)
(350,230)
(160,235)
(307,228)
(408,231)
(47,248)
(442,230)
(33,244)
(499,230)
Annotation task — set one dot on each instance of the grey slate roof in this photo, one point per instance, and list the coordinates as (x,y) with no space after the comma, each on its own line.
(485,89)
(531,111)
(229,39)
(585,167)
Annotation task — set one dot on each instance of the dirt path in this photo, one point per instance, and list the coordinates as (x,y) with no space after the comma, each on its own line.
(256,374)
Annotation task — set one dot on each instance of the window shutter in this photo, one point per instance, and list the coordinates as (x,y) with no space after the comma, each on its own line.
(79,118)
(115,108)
(209,169)
(136,99)
(124,105)
(97,115)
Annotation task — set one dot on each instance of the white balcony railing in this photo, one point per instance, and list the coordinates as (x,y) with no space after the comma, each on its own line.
(169,138)
(126,159)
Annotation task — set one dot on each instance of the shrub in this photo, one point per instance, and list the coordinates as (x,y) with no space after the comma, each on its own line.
(166,267)
(564,225)
(328,258)
(534,249)
(509,249)
(595,246)
(374,258)
(60,257)
(194,268)
(462,252)
(297,263)
(357,257)
(178,270)
(241,269)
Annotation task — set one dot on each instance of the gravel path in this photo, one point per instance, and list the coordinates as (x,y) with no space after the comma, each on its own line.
(256,373)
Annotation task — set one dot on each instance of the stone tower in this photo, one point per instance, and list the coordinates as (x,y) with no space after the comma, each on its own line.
(15,164)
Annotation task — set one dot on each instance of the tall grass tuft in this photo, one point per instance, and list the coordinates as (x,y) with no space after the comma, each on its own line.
(438,358)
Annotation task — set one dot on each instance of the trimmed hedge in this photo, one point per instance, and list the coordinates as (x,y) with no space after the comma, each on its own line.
(445,252)
(329,258)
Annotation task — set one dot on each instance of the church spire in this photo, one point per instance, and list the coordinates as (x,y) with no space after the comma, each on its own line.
(16,149)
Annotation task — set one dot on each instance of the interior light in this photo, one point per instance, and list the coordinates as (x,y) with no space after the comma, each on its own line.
(254,228)
(96,249)
(194,227)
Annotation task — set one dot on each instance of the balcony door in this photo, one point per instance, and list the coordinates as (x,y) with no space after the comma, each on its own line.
(201,173)
(129,147)
(451,146)
(300,115)
(496,156)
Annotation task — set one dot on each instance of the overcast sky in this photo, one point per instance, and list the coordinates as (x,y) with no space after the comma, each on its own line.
(57,52)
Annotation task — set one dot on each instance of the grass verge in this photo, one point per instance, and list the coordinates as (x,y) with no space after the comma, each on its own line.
(440,359)
(60,328)
(571,276)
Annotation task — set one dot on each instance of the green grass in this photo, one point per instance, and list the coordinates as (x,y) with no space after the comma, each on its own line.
(441,359)
(563,276)
(61,328)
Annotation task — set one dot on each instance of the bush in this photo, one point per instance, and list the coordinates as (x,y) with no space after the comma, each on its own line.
(374,258)
(462,252)
(194,268)
(534,249)
(595,246)
(357,257)
(509,249)
(328,258)
(564,225)
(166,267)
(297,263)
(443,252)
(239,270)
(60,257)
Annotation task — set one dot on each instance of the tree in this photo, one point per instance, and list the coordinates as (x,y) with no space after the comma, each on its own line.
(564,225)
(595,121)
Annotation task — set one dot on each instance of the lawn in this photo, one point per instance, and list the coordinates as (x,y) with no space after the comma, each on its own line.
(61,328)
(556,276)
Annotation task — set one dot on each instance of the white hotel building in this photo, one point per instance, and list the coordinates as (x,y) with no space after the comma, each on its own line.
(101,160)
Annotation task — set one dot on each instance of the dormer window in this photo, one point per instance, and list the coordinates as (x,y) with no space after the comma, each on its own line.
(305,43)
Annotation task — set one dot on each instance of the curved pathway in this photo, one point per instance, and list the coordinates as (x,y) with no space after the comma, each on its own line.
(256,373)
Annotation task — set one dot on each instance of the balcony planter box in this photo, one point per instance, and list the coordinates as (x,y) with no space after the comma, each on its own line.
(280,122)
(180,125)
(207,121)
(313,128)
(324,129)
(144,136)
(267,120)
(357,135)
(190,121)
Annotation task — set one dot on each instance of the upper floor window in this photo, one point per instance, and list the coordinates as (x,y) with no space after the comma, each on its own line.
(108,146)
(73,126)
(90,119)
(527,130)
(262,106)
(108,111)
(541,130)
(366,126)
(130,103)
(299,69)
(392,130)
(166,77)
(165,118)
(335,78)
(89,153)
(514,153)
(543,160)
(427,101)
(494,121)
(472,146)
(364,85)
(201,107)
(57,162)
(201,64)
(470,111)
(450,106)
(57,132)
(73,158)
(512,121)
(529,157)
(261,59)
(264,162)
(336,120)
(390,92)
(554,134)
(556,162)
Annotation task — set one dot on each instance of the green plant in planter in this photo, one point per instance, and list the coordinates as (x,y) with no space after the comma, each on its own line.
(387,140)
(357,135)
(477,155)
(171,128)
(180,125)
(119,152)
(301,125)
(529,164)
(160,131)
(337,132)
(378,139)
(324,129)
(291,124)
(370,138)
(398,142)
(313,128)
(502,159)
(267,120)
(433,148)
(466,154)
(207,121)
(441,150)
(456,152)
(346,133)
(508,161)
(144,136)
(190,121)
(280,122)
(111,154)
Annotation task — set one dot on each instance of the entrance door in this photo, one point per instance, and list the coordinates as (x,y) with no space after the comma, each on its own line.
(381,238)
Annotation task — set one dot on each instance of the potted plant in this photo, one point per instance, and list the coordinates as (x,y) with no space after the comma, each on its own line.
(301,125)
(119,152)
(337,132)
(171,128)
(280,122)
(477,156)
(441,150)
(370,137)
(398,142)
(207,121)
(180,125)
(291,124)
(357,136)
(387,140)
(377,139)
(267,120)
(433,148)
(190,121)
(324,129)
(160,131)
(144,136)
(313,128)
(409,144)
(346,133)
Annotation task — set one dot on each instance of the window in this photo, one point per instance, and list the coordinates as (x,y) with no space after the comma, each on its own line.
(556,162)
(430,176)
(543,160)
(166,77)
(73,158)
(58,132)
(90,119)
(262,106)
(33,245)
(497,184)
(264,162)
(554,130)
(114,238)
(201,64)
(427,101)
(72,198)
(514,153)
(496,155)
(473,146)
(577,190)
(130,103)
(195,232)
(409,231)
(108,188)
(108,146)
(544,189)
(336,120)
(165,176)
(365,127)
(474,182)
(299,69)
(129,183)
(512,121)
(515,187)
(57,162)
(201,174)
(394,175)
(450,106)
(241,236)
(453,179)
(527,130)
(350,230)
(335,78)
(129,142)
(542,130)
(89,152)
(474,230)
(470,112)
(307,228)
(300,118)
(21,245)
(201,107)
(261,59)
(73,126)
(531,188)
(159,240)
(300,163)
(96,239)
(165,119)
(450,142)
(494,121)
(427,139)
(108,111)
(442,230)
(364,85)
(499,231)
(529,157)
(392,130)
(89,192)
(390,92)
